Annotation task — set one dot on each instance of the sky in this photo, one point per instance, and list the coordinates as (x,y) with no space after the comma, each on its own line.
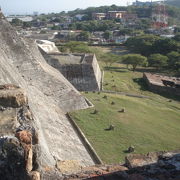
(47,6)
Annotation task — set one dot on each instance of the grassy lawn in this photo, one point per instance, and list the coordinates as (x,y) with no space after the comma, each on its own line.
(118,78)
(149,125)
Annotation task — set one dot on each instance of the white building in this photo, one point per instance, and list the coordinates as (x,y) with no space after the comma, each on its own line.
(22,18)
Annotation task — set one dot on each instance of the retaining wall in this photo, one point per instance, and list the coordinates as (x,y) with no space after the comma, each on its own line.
(158,88)
(84,76)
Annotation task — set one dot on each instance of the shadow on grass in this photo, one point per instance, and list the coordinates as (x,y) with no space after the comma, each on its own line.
(141,82)
(107,129)
(116,69)
(126,151)
(148,70)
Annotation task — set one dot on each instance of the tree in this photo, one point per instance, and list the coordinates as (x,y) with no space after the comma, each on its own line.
(27,24)
(142,44)
(109,59)
(177,37)
(158,60)
(177,30)
(17,22)
(77,47)
(165,46)
(107,35)
(83,36)
(174,60)
(134,60)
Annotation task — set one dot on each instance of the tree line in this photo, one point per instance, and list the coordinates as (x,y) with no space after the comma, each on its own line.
(154,51)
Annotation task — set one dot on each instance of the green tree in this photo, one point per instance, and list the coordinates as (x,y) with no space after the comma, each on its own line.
(174,60)
(158,60)
(177,37)
(107,35)
(134,60)
(109,59)
(83,36)
(142,44)
(27,24)
(77,47)
(165,45)
(177,30)
(17,22)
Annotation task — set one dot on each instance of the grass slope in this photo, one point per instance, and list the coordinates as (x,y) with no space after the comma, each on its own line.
(147,124)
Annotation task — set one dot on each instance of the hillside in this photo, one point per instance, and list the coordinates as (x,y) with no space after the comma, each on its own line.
(173,3)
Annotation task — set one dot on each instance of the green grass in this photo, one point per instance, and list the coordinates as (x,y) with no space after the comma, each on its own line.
(119,78)
(149,125)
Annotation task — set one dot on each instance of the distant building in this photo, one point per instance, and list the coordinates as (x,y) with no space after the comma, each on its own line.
(147,3)
(79,16)
(35,13)
(115,14)
(41,36)
(22,18)
(98,16)
(139,3)
(129,18)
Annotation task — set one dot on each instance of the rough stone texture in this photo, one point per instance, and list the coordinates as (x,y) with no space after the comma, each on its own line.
(69,167)
(12,163)
(136,160)
(8,121)
(16,153)
(155,84)
(35,175)
(50,96)
(25,139)
(12,97)
(153,166)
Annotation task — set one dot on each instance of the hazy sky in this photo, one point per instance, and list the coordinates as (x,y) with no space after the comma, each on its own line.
(45,6)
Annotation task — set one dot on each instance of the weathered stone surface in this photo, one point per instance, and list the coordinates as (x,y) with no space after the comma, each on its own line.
(50,96)
(35,175)
(12,97)
(69,166)
(157,85)
(136,160)
(25,139)
(114,168)
(82,70)
(12,163)
(154,166)
(8,121)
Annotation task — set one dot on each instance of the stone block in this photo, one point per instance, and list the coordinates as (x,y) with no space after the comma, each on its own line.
(138,160)
(12,96)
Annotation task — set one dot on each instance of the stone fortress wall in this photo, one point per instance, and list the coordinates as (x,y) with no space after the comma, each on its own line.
(162,84)
(81,70)
(50,97)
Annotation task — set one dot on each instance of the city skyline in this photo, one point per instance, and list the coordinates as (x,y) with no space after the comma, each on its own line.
(48,6)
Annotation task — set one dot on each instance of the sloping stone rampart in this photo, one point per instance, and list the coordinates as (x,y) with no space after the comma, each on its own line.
(49,94)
